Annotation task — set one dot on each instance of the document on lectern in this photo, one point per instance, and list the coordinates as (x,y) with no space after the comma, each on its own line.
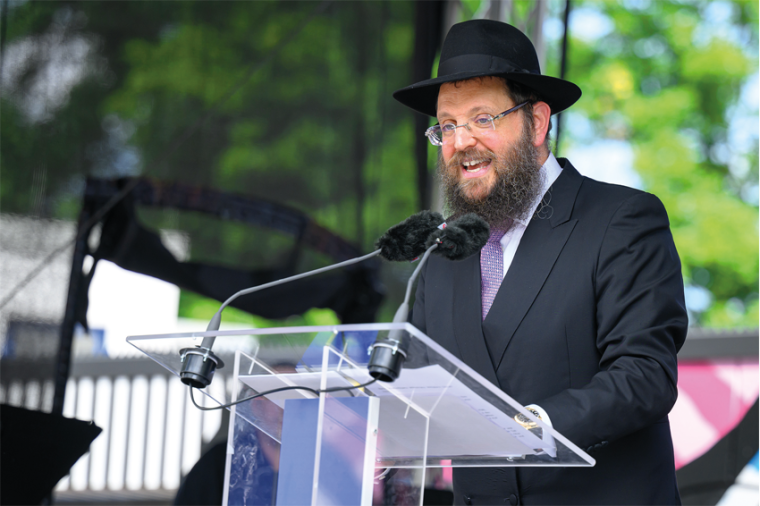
(461,422)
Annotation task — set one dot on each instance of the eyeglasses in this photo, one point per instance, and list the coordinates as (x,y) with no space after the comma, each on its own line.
(443,134)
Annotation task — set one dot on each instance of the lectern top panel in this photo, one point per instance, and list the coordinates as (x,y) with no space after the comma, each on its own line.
(439,412)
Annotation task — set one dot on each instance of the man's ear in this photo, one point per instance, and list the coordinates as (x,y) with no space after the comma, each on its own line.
(541,116)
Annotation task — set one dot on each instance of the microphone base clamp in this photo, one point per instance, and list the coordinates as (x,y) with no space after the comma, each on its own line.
(386,360)
(198,366)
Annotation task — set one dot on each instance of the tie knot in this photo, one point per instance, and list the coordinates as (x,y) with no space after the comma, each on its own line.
(496,235)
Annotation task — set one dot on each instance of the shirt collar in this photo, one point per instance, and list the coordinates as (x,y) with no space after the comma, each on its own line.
(550,171)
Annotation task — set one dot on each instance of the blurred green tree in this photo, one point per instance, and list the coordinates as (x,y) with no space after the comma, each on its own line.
(316,127)
(313,127)
(666,79)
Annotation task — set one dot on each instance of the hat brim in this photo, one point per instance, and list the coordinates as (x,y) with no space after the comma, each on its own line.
(423,96)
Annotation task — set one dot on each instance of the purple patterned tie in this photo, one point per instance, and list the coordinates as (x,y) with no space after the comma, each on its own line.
(491,269)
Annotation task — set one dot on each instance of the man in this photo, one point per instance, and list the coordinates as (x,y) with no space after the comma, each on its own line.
(575,306)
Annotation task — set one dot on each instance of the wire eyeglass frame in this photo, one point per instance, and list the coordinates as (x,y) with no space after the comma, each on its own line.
(437,133)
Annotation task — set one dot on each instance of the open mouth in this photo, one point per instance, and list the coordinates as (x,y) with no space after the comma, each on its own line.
(477,167)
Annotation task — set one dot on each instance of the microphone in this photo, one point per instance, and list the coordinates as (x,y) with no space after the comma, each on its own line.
(458,240)
(200,363)
(407,240)
(461,238)
(404,241)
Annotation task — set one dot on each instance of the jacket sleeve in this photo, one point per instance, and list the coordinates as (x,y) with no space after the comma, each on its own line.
(641,324)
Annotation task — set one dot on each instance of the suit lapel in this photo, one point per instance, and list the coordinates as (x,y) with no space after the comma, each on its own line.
(466,315)
(536,255)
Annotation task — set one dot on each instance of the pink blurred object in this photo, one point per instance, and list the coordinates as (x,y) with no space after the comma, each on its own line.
(713,397)
(448,474)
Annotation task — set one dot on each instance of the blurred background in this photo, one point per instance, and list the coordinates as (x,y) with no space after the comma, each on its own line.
(155,157)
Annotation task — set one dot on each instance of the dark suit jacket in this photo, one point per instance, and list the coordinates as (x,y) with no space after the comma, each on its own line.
(586,324)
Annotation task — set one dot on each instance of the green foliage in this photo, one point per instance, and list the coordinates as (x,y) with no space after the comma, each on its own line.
(196,307)
(289,132)
(666,80)
(312,126)
(662,82)
(316,128)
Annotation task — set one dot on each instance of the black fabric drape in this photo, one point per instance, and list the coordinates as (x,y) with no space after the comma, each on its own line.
(354,292)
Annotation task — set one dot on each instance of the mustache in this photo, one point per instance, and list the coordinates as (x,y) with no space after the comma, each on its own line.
(471,154)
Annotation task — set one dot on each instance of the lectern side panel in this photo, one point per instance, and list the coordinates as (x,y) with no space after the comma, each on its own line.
(296,470)
(347,444)
(252,471)
(253,443)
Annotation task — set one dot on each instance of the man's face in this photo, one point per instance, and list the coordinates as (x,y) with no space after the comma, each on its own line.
(495,173)
(470,153)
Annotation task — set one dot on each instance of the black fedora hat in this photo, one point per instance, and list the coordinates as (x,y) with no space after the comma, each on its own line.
(483,47)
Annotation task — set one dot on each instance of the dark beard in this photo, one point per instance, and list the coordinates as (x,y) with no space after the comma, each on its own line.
(517,187)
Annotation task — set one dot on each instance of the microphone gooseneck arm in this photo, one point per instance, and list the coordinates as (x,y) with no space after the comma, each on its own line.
(405,305)
(199,363)
(216,320)
(389,352)
(423,232)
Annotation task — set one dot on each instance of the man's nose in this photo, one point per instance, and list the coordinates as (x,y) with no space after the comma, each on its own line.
(463,138)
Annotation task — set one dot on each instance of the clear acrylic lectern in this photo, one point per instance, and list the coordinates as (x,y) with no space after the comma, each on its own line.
(364,446)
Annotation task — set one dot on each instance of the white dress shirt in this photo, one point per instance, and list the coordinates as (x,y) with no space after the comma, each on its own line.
(550,171)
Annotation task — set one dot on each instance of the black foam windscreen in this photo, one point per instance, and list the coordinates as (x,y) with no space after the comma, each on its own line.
(406,240)
(461,238)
